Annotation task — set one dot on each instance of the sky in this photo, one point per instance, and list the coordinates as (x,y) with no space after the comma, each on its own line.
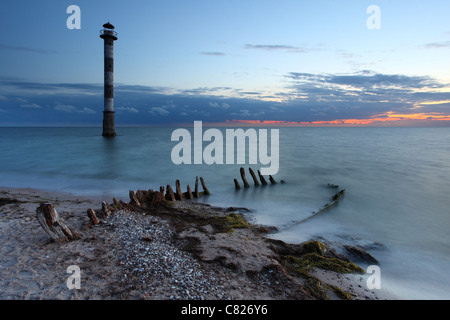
(245,63)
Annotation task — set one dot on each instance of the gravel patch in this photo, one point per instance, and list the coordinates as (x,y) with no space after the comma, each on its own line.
(156,266)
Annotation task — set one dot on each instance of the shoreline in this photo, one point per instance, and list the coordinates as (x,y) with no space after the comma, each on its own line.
(182,251)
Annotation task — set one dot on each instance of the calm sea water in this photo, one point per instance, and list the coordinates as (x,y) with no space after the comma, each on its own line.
(397,183)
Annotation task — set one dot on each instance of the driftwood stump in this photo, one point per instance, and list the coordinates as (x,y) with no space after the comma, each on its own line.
(169,193)
(105,209)
(133,199)
(93,217)
(142,196)
(117,205)
(52,223)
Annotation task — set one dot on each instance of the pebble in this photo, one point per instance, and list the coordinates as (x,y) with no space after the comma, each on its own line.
(160,267)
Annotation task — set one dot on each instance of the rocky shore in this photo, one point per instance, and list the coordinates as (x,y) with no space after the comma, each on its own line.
(180,250)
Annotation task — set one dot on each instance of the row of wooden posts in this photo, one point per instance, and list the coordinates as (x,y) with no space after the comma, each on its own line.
(56,228)
(144,199)
(255,180)
(179,195)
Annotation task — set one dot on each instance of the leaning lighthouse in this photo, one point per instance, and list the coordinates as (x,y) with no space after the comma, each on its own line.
(109,36)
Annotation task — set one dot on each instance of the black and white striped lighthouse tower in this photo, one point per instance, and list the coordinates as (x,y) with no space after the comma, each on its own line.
(109,36)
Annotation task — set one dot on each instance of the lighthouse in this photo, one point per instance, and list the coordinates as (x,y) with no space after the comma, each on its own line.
(109,36)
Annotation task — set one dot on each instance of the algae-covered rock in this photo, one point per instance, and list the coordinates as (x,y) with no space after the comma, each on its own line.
(236,220)
(340,293)
(314,260)
(360,254)
(314,247)
(316,288)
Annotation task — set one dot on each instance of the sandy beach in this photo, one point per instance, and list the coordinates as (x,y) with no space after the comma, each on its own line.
(179,250)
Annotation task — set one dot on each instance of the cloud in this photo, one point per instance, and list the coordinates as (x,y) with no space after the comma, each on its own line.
(217,54)
(368,80)
(242,113)
(31,106)
(360,95)
(86,110)
(66,108)
(305,97)
(159,110)
(127,109)
(28,86)
(27,49)
(277,47)
(218,105)
(73,109)
(436,45)
(207,90)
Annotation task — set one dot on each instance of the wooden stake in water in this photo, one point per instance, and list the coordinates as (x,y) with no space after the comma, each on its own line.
(254,177)
(244,180)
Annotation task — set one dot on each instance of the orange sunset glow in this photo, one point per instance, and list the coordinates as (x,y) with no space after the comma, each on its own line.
(388,119)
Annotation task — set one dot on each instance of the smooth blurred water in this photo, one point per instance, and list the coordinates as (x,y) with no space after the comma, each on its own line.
(397,183)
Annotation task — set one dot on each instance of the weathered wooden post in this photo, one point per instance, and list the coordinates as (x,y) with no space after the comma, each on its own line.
(244,180)
(133,199)
(196,194)
(272,180)
(93,217)
(52,224)
(189,192)
(205,189)
(178,190)
(117,205)
(261,177)
(254,177)
(236,185)
(105,209)
(170,194)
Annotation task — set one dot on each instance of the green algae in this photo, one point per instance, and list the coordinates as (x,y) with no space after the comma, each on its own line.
(235,221)
(314,247)
(317,255)
(317,288)
(340,293)
(314,260)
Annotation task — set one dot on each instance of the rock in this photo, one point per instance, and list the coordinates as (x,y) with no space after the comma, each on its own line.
(360,254)
(147,239)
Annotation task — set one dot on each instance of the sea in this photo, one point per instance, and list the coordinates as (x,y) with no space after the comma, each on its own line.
(396,203)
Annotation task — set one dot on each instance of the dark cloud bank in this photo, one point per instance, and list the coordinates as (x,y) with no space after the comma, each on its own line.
(307,97)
